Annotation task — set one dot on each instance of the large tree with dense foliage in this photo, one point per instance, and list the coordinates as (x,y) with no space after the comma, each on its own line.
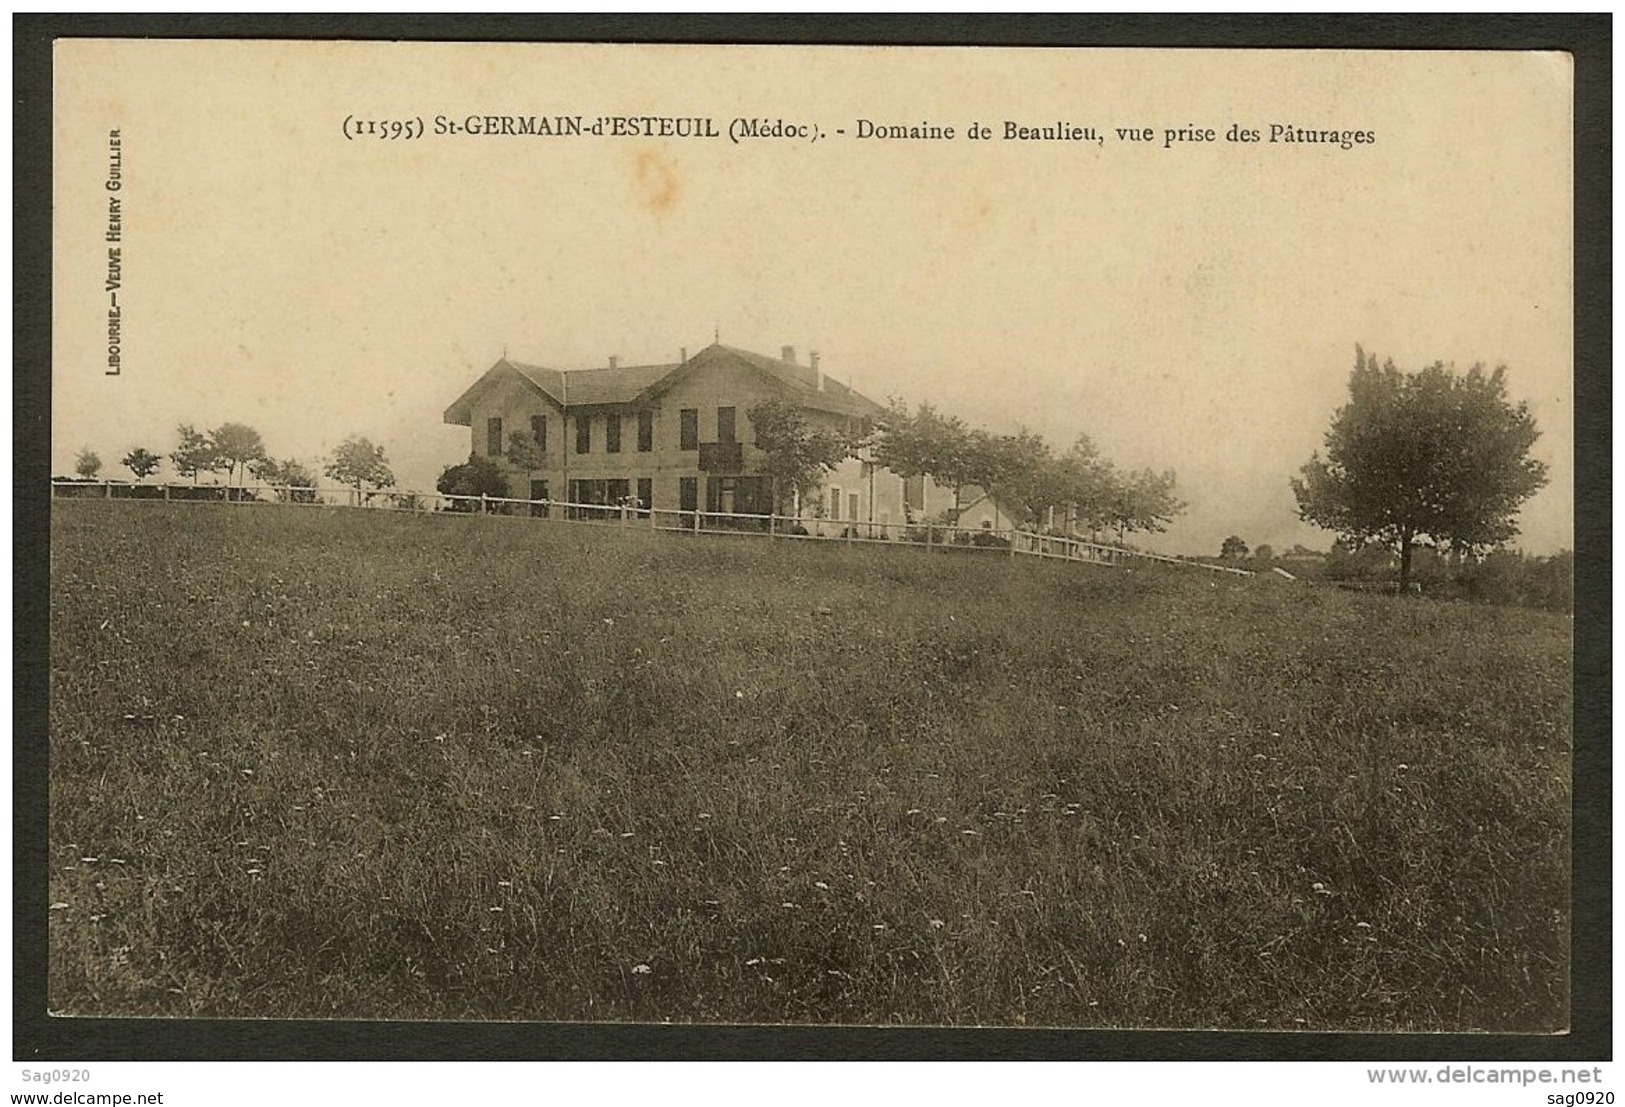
(478,476)
(142,462)
(796,452)
(360,465)
(1142,501)
(194,454)
(87,463)
(233,446)
(926,442)
(1436,458)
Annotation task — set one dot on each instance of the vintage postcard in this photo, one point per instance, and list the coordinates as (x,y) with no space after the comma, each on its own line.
(861,536)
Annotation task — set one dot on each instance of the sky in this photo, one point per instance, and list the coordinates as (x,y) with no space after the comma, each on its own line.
(1190,305)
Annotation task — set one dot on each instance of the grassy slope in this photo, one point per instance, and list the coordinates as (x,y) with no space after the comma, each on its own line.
(396,766)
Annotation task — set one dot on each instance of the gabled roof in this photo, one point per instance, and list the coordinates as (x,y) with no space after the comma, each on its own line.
(621,384)
(801,380)
(631,384)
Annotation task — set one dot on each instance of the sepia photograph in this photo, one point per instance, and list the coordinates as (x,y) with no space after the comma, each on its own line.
(849,536)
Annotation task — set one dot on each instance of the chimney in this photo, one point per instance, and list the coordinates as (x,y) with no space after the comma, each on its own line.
(614,361)
(788,354)
(683,354)
(818,374)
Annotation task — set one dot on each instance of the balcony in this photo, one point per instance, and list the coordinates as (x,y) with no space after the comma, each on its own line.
(722,457)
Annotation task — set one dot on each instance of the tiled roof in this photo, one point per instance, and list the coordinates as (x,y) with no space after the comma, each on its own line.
(834,396)
(625,384)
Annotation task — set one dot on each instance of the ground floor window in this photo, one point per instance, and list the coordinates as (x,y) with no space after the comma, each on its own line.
(739,496)
(538,491)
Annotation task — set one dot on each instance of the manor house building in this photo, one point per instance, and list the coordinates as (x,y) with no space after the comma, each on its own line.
(676,436)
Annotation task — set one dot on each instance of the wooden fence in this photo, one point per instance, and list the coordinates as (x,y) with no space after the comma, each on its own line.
(929,536)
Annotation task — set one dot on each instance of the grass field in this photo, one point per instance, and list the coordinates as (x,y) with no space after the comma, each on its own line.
(343,763)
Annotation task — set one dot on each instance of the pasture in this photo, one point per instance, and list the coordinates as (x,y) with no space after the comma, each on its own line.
(338,763)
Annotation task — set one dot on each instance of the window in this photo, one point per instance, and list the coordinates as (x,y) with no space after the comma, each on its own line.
(583,434)
(725,424)
(646,431)
(835,503)
(493,436)
(646,493)
(688,493)
(618,492)
(612,434)
(852,506)
(689,428)
(538,431)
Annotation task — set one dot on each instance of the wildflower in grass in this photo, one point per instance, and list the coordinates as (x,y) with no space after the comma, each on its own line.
(641,970)
(937,924)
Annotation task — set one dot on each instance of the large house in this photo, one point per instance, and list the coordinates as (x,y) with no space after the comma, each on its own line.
(676,436)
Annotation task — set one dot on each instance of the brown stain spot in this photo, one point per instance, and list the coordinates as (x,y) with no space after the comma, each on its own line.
(654,182)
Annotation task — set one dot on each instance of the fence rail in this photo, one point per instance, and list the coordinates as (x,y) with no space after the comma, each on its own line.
(928,536)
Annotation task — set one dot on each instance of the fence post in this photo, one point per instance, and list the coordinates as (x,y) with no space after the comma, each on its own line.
(482,503)
(107,485)
(166,492)
(696,520)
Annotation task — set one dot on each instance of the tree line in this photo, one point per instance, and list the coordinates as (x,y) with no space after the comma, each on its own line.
(238,451)
(1021,471)
(1070,491)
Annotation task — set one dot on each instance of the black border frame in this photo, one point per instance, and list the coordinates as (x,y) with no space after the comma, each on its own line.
(36,1037)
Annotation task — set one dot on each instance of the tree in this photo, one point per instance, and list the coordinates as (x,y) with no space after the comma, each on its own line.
(478,476)
(194,454)
(294,482)
(1080,484)
(232,446)
(361,465)
(795,452)
(1011,467)
(1433,458)
(1142,501)
(142,462)
(926,442)
(1234,549)
(87,464)
(1265,552)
